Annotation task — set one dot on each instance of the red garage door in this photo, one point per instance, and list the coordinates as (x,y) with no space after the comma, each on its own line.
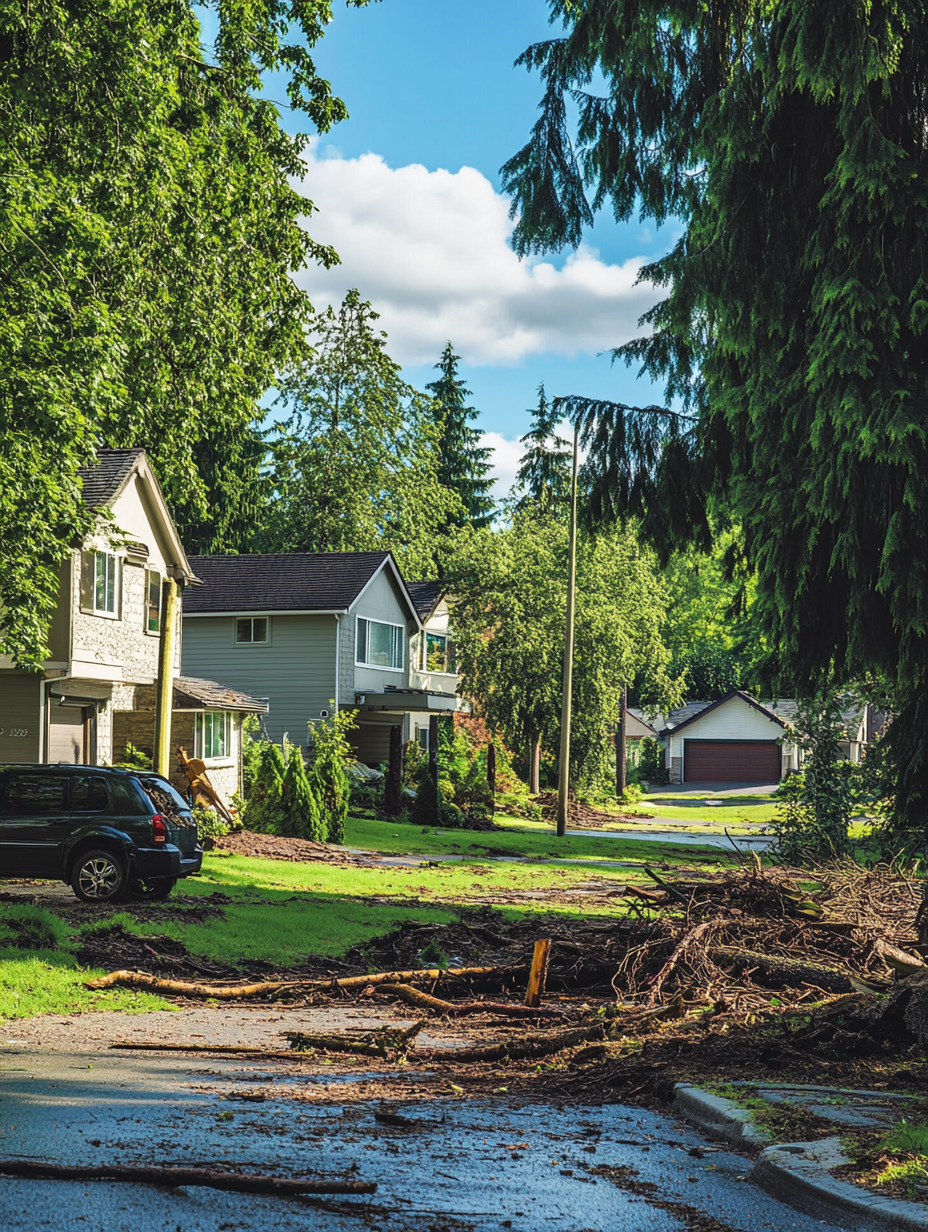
(731,761)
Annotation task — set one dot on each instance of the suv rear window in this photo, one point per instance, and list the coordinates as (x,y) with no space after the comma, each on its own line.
(35,794)
(166,797)
(89,794)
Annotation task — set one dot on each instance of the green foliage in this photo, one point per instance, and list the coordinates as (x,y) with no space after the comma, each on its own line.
(150,231)
(543,477)
(133,759)
(330,754)
(793,329)
(651,762)
(209,823)
(816,805)
(264,809)
(464,461)
(508,597)
(302,815)
(253,742)
(357,466)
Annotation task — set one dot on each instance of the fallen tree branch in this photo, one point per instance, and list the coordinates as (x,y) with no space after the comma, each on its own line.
(173,1177)
(231,992)
(792,971)
(375,1045)
(514,1050)
(413,996)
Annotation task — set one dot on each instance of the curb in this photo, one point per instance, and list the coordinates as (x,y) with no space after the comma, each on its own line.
(719,1117)
(799,1173)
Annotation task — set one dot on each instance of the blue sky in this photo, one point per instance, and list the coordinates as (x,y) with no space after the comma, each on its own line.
(407,190)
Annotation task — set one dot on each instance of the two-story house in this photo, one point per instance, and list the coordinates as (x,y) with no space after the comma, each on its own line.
(313,632)
(96,691)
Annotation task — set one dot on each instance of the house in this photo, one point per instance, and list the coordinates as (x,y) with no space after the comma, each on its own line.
(105,634)
(315,632)
(738,739)
(207,721)
(97,690)
(637,728)
(433,663)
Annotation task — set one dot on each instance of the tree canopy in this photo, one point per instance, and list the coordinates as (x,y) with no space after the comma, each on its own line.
(543,477)
(357,465)
(464,464)
(791,140)
(149,228)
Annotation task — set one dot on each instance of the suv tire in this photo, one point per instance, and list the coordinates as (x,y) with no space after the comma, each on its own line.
(99,876)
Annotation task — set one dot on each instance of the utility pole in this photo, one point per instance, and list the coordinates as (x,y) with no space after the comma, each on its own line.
(564,760)
(621,767)
(165,687)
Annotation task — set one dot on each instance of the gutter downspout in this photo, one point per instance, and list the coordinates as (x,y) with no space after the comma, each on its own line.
(338,660)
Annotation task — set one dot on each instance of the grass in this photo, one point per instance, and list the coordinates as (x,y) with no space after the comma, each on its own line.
(281,911)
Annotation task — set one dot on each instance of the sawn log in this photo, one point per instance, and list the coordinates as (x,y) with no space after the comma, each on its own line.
(236,1181)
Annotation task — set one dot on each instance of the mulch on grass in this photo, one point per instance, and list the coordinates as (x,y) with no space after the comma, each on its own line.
(279,847)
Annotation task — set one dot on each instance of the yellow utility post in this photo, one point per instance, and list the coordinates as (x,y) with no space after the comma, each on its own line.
(162,757)
(563,776)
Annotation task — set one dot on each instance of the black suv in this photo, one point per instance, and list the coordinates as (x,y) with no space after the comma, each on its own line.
(107,833)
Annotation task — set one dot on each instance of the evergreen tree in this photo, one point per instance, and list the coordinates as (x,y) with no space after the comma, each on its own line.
(544,471)
(789,138)
(464,464)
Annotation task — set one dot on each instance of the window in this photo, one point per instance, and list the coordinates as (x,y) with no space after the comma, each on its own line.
(100,583)
(437,653)
(35,795)
(380,645)
(251,630)
(213,734)
(88,795)
(152,601)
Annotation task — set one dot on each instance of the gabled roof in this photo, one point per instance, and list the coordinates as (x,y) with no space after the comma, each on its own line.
(695,710)
(191,693)
(637,726)
(103,482)
(287,582)
(425,595)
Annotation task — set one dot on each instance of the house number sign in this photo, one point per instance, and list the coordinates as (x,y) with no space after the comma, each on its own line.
(14,731)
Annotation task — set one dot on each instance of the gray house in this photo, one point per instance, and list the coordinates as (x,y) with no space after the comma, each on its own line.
(314,632)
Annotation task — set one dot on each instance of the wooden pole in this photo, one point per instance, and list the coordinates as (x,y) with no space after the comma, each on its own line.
(393,788)
(433,748)
(538,974)
(534,766)
(564,760)
(165,684)
(621,759)
(491,773)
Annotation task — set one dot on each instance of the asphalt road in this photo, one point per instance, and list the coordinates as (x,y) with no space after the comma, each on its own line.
(464,1165)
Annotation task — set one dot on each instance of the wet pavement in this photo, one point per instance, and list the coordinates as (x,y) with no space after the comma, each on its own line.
(481,1164)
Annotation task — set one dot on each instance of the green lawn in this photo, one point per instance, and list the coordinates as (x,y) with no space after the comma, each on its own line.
(282,911)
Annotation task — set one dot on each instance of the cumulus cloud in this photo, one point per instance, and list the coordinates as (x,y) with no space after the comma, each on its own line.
(430,250)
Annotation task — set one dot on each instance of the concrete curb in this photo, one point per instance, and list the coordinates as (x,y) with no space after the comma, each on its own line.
(799,1173)
(719,1117)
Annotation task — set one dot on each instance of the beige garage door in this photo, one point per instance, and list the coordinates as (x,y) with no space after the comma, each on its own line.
(67,734)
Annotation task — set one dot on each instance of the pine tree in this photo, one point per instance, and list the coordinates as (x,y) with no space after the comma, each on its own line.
(544,469)
(464,462)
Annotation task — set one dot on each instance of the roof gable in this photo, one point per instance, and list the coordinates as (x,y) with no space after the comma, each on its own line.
(283,582)
(426,596)
(704,709)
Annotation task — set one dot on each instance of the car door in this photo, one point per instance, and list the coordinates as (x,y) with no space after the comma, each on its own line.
(34,823)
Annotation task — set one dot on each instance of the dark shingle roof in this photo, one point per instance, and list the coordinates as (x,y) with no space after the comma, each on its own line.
(282,582)
(212,696)
(425,595)
(102,483)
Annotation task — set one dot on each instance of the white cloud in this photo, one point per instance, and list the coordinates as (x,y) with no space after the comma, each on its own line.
(430,250)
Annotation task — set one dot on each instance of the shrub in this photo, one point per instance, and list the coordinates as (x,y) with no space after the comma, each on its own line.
(209,823)
(263,810)
(302,816)
(330,754)
(651,766)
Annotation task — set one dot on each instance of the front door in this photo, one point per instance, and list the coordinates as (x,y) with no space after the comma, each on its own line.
(67,735)
(34,823)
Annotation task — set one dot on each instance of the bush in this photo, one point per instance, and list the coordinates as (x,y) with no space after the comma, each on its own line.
(264,810)
(651,766)
(330,755)
(209,823)
(302,816)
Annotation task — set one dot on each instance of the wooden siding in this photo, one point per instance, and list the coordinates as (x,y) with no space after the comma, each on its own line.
(382,600)
(735,720)
(295,672)
(19,712)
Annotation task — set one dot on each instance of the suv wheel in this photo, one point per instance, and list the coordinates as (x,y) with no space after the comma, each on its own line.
(98,877)
(155,889)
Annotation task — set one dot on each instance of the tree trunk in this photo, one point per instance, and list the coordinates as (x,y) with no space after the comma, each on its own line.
(433,749)
(393,789)
(491,772)
(534,766)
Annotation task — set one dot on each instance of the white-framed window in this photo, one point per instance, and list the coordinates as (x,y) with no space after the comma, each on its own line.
(380,645)
(437,652)
(213,734)
(152,601)
(252,630)
(100,580)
